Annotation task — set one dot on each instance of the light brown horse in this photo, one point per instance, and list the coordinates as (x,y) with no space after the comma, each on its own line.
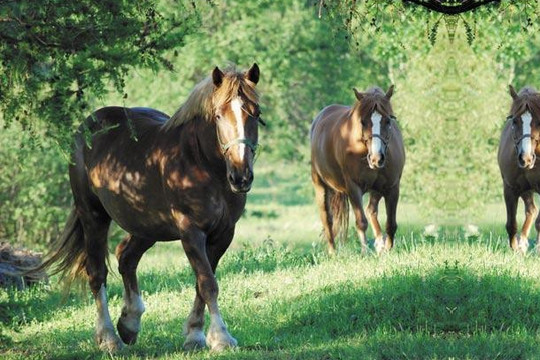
(518,148)
(162,178)
(356,150)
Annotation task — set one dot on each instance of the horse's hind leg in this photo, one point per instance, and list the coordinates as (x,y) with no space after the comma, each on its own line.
(95,227)
(322,197)
(372,213)
(128,253)
(511,200)
(531,211)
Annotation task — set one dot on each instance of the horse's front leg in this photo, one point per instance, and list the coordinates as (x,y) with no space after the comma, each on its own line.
(537,226)
(391,201)
(195,244)
(372,211)
(511,199)
(531,211)
(129,253)
(355,196)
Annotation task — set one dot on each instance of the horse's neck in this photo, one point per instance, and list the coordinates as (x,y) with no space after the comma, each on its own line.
(199,139)
(351,127)
(353,122)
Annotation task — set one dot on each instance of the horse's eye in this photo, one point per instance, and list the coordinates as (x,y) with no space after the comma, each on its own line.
(218,117)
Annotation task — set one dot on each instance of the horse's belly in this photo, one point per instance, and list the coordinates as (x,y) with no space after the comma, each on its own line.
(137,216)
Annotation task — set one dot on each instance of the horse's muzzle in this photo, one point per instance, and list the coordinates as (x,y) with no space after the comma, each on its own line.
(526,161)
(240,182)
(377,161)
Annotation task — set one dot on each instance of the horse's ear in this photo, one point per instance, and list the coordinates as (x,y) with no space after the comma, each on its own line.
(513,92)
(253,73)
(217,77)
(358,94)
(390,92)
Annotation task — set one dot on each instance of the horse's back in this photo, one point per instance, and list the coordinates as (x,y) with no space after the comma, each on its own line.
(327,117)
(114,116)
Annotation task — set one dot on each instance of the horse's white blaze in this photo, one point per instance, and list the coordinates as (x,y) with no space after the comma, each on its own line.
(526,145)
(103,318)
(376,143)
(236,106)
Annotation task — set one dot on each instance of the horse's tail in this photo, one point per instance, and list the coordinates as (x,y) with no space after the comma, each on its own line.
(68,253)
(339,208)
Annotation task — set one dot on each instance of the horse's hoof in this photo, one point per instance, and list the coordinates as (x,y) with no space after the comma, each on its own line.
(221,341)
(128,336)
(109,342)
(380,245)
(224,345)
(523,245)
(195,341)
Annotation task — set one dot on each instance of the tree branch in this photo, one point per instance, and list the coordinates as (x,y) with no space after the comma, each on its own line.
(436,5)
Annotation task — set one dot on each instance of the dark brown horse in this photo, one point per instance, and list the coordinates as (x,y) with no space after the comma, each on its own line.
(356,150)
(162,178)
(518,148)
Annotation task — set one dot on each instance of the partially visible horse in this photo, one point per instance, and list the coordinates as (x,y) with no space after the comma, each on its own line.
(518,148)
(162,178)
(356,150)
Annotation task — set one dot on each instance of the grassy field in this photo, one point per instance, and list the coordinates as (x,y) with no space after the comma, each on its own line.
(440,294)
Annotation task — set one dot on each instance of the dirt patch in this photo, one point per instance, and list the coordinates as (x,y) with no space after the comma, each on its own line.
(13,264)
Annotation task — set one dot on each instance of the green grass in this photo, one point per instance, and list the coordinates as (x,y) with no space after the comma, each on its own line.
(438,295)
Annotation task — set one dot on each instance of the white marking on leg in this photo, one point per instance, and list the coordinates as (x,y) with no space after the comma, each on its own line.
(193,328)
(526,145)
(218,336)
(103,318)
(132,311)
(105,335)
(376,143)
(236,106)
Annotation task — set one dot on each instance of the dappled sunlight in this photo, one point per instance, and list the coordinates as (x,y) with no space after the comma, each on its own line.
(112,175)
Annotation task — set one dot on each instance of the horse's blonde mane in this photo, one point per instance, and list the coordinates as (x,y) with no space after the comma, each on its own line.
(206,98)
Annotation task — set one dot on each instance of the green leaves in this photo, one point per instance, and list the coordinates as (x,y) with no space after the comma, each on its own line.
(56,54)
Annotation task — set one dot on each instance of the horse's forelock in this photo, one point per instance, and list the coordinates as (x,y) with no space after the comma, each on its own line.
(205,98)
(234,85)
(375,99)
(528,100)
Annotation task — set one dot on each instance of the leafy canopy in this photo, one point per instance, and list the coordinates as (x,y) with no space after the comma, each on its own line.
(55,53)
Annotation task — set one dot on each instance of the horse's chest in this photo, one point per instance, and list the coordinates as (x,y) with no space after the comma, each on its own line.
(213,210)
(531,180)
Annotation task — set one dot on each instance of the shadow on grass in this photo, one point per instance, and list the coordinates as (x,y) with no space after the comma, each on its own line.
(449,312)
(456,312)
